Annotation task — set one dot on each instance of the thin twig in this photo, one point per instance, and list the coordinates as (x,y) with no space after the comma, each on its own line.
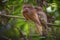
(34,36)
(5,37)
(11,16)
(21,33)
(53,24)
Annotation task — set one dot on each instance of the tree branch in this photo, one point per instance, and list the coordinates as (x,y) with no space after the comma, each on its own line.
(22,35)
(53,24)
(11,16)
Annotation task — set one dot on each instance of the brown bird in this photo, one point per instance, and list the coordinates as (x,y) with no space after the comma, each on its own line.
(29,12)
(43,19)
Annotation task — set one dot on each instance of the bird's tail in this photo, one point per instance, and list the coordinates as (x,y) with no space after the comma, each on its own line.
(38,28)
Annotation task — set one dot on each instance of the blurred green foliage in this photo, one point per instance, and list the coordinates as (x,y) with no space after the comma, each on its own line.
(15,6)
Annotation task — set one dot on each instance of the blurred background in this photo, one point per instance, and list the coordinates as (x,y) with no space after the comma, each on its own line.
(13,26)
